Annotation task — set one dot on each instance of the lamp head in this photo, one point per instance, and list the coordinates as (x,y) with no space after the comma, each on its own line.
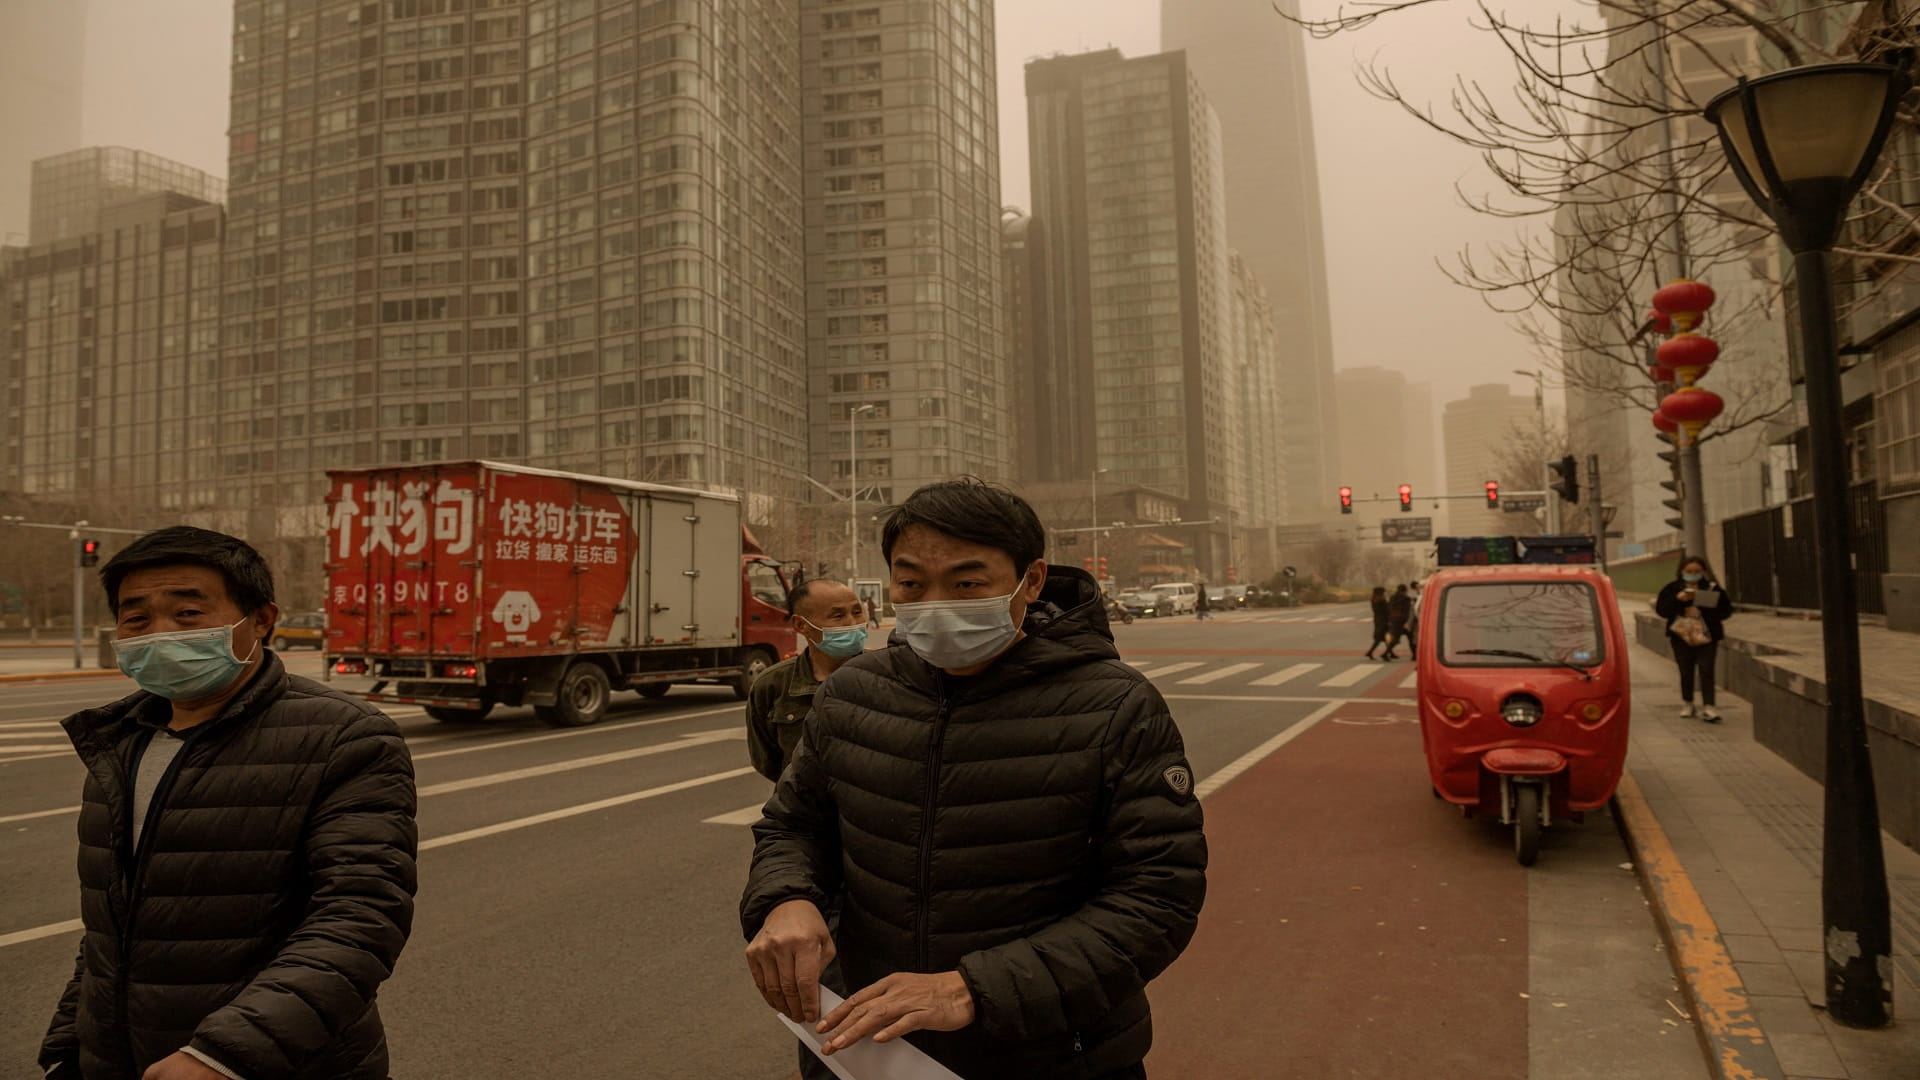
(1802,141)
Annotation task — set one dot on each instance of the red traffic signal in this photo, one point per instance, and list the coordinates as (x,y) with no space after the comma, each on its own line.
(1493,494)
(1346,500)
(89,553)
(1406,496)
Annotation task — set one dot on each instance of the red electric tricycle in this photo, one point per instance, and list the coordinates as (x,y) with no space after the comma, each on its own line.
(1523,693)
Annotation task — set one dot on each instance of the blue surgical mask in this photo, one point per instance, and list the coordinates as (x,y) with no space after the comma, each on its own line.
(1694,577)
(182,665)
(958,633)
(840,642)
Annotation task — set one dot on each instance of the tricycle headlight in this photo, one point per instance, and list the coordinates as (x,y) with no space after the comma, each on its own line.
(1520,713)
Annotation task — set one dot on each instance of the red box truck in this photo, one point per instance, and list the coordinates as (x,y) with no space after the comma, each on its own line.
(464,585)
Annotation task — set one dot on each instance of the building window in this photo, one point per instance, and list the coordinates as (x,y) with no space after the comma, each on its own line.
(1897,415)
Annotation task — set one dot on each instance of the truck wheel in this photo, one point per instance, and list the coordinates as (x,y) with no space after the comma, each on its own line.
(446,714)
(1526,823)
(756,662)
(582,698)
(653,689)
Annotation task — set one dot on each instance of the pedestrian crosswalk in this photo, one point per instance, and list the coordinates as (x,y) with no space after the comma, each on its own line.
(1332,675)
(1308,619)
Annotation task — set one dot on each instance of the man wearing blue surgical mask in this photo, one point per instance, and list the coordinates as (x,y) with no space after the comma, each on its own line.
(1002,811)
(828,616)
(247,842)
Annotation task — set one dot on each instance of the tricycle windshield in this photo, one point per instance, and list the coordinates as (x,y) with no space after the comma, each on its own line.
(1521,624)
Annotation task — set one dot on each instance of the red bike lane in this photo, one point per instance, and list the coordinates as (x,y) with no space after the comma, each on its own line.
(1354,925)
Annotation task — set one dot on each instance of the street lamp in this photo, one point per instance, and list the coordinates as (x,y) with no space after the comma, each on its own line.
(1552,501)
(1093,518)
(1801,142)
(853,489)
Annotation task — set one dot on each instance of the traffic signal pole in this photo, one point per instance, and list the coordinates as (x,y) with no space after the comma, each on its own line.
(79,600)
(1693,502)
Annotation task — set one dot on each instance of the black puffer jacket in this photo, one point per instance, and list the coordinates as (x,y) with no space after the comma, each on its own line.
(1033,827)
(271,894)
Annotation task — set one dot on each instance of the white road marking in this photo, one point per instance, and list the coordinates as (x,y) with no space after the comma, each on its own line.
(1170,669)
(685,742)
(1285,675)
(35,748)
(583,808)
(1352,675)
(1254,756)
(593,729)
(30,815)
(1217,674)
(20,937)
(1412,680)
(66,752)
(746,815)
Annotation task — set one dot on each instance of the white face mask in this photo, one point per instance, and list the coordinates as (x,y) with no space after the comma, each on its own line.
(952,634)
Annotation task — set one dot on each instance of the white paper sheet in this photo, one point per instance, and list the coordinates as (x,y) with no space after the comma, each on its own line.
(866,1059)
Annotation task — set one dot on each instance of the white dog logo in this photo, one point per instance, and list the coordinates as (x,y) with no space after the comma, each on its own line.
(517,612)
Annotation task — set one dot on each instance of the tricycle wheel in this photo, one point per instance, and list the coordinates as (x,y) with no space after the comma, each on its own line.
(1526,823)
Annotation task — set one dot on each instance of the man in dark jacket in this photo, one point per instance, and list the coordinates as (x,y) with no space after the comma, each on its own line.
(247,843)
(1003,809)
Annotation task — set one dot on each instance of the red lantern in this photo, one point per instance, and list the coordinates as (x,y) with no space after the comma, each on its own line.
(1664,423)
(1692,408)
(1661,324)
(1684,301)
(1688,355)
(1660,374)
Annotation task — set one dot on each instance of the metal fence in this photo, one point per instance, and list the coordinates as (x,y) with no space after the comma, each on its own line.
(1770,558)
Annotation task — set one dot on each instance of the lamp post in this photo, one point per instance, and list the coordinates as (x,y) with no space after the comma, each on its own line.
(853,489)
(1093,519)
(1546,467)
(1801,142)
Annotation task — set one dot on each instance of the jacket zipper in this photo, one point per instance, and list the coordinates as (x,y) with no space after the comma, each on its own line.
(925,914)
(142,849)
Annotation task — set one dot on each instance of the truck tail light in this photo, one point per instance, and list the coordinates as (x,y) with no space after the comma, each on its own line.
(459,671)
(350,667)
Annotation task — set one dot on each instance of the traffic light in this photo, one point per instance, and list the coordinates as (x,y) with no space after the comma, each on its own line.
(1672,458)
(1406,496)
(1346,500)
(1567,482)
(1493,494)
(89,553)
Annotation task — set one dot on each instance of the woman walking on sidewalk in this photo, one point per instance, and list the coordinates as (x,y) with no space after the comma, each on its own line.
(1696,609)
(1379,619)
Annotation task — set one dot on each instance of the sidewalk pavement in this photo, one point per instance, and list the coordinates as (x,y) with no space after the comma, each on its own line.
(1739,891)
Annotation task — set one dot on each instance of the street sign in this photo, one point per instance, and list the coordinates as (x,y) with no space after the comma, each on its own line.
(1522,504)
(1406,530)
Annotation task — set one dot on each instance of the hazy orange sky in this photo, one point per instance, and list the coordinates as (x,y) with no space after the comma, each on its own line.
(157,79)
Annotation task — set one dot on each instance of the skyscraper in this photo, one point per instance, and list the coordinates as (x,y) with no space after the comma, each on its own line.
(1136,281)
(1386,439)
(1478,430)
(74,192)
(902,176)
(1253,64)
(40,96)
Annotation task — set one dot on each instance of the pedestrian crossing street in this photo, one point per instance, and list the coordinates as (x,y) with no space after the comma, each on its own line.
(1330,674)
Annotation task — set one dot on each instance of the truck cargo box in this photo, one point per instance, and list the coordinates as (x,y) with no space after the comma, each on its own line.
(480,560)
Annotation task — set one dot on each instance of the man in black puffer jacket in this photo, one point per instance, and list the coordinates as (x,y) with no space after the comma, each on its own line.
(1003,808)
(247,843)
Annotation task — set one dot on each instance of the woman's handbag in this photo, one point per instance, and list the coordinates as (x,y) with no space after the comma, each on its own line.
(1692,629)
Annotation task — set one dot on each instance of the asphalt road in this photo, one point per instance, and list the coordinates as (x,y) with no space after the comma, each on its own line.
(579,887)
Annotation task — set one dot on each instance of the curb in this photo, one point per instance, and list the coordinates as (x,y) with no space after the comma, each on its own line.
(1735,1045)
(51,676)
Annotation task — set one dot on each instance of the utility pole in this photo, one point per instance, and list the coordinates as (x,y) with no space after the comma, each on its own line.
(1093,521)
(1693,499)
(853,490)
(79,597)
(1546,460)
(1599,511)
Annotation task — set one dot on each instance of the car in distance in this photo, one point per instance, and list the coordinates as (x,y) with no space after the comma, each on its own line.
(1145,604)
(302,631)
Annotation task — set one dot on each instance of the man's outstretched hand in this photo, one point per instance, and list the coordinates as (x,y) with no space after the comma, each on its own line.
(898,1004)
(787,956)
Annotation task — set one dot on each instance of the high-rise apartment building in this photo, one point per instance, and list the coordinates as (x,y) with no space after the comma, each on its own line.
(902,178)
(40,98)
(109,350)
(1022,250)
(1479,432)
(1137,284)
(75,193)
(1257,388)
(1253,64)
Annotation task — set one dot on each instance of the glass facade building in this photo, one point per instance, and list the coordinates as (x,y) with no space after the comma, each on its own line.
(75,193)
